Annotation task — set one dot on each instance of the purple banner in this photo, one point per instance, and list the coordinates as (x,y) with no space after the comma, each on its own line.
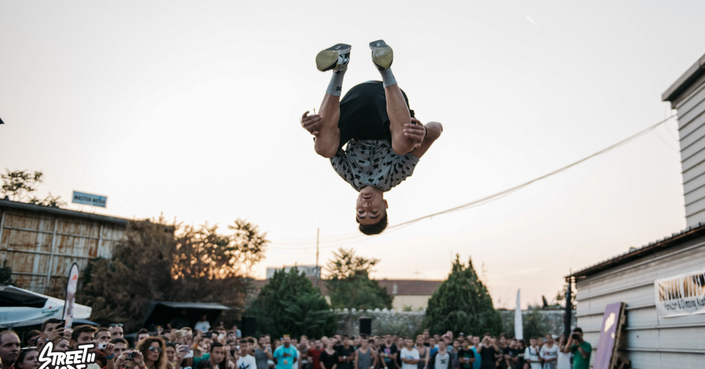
(608,334)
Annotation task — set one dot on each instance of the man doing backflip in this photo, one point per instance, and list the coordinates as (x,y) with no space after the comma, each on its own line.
(384,140)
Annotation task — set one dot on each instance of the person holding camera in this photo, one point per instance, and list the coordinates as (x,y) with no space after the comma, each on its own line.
(581,350)
(487,350)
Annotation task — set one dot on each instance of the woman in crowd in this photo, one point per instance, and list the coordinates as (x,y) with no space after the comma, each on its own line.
(153,355)
(28,359)
(329,357)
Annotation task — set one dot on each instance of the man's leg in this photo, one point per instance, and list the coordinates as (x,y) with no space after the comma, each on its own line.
(397,110)
(328,137)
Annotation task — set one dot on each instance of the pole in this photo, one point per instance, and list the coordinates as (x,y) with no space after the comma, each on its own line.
(318,270)
(568,315)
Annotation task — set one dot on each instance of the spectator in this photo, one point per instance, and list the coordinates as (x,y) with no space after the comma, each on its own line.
(245,361)
(424,351)
(329,357)
(285,355)
(487,350)
(563,361)
(580,349)
(48,327)
(180,321)
(83,334)
(203,325)
(263,354)
(345,354)
(62,344)
(115,330)
(441,358)
(28,359)
(9,348)
(466,355)
(238,333)
(32,336)
(433,345)
(142,334)
(314,353)
(474,344)
(426,336)
(389,352)
(102,335)
(409,355)
(511,354)
(364,359)
(119,345)
(454,349)
(153,355)
(532,354)
(549,353)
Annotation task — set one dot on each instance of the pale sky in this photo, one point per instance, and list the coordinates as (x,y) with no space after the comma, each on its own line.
(191,110)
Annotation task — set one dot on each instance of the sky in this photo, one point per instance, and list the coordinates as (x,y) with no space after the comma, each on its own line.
(191,110)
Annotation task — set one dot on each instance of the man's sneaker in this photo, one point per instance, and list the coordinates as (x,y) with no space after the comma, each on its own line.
(382,54)
(335,57)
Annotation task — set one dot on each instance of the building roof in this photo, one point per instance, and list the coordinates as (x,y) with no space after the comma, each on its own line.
(685,81)
(405,287)
(673,240)
(6,203)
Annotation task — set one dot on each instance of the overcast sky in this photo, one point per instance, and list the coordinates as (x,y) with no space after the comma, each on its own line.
(191,110)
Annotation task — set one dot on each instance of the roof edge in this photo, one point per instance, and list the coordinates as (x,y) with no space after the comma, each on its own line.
(5,203)
(685,80)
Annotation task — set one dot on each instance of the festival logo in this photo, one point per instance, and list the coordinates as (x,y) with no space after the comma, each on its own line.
(71,359)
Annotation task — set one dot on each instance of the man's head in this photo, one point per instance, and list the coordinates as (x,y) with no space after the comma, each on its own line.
(82,334)
(533,341)
(371,211)
(442,345)
(244,347)
(286,341)
(217,353)
(120,345)
(409,343)
(103,335)
(577,334)
(142,334)
(346,340)
(549,340)
(115,330)
(48,326)
(9,347)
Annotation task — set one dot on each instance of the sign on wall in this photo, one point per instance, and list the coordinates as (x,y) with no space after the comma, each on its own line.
(680,295)
(89,199)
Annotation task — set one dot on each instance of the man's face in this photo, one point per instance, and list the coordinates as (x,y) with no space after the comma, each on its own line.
(512,344)
(409,343)
(287,341)
(120,348)
(370,206)
(502,341)
(142,336)
(9,348)
(244,348)
(388,339)
(49,328)
(476,341)
(262,341)
(232,337)
(115,332)
(85,337)
(218,354)
(549,340)
(532,342)
(103,337)
(345,341)
(441,345)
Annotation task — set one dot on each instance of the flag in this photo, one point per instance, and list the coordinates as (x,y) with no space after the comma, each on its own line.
(518,327)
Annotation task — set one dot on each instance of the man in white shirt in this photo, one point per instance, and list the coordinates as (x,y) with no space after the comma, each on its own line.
(549,353)
(203,325)
(409,355)
(532,354)
(246,360)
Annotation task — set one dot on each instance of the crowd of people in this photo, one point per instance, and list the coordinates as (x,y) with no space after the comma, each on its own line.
(188,348)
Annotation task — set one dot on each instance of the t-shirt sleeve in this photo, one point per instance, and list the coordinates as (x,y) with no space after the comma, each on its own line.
(402,167)
(342,166)
(527,353)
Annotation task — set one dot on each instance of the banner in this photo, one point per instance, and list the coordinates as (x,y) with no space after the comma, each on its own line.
(70,302)
(680,295)
(518,325)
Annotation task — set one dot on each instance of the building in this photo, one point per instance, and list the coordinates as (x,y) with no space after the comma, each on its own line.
(308,270)
(662,283)
(39,244)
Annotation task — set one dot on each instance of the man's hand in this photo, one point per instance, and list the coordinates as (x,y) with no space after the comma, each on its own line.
(109,349)
(56,334)
(311,122)
(415,131)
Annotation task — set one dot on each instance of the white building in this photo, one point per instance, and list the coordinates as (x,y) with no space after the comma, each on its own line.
(309,270)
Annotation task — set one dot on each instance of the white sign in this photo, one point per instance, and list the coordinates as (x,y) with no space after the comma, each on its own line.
(680,295)
(88,199)
(71,287)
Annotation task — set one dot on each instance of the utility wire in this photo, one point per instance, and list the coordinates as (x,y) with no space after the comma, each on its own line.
(342,240)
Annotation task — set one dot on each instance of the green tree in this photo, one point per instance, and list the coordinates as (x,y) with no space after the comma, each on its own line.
(290,304)
(19,184)
(349,283)
(158,262)
(462,304)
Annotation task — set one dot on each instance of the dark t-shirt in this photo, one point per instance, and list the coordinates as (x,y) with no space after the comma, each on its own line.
(347,352)
(391,350)
(487,355)
(328,360)
(467,354)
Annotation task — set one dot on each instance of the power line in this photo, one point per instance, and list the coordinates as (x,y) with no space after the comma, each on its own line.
(342,240)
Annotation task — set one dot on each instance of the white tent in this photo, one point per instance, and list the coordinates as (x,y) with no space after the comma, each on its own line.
(20,316)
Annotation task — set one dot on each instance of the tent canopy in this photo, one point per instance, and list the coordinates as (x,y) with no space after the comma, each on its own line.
(16,297)
(34,314)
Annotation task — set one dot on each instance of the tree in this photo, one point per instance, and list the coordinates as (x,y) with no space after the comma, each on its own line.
(462,304)
(19,184)
(349,283)
(158,262)
(290,304)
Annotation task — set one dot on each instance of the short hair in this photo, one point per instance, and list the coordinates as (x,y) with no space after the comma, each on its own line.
(118,340)
(143,330)
(47,322)
(3,333)
(243,340)
(363,336)
(82,329)
(103,329)
(373,229)
(216,344)
(578,329)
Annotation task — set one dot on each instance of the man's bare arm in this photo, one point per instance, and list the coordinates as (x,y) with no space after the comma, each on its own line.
(434,130)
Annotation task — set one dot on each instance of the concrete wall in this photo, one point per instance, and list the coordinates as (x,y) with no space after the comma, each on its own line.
(647,340)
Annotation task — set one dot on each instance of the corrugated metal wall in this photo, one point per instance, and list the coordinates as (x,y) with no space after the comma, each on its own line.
(691,127)
(649,342)
(40,247)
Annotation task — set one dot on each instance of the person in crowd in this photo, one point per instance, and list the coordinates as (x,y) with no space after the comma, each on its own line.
(153,355)
(466,355)
(119,345)
(238,333)
(83,334)
(511,354)
(389,352)
(549,353)
(28,359)
(203,325)
(487,350)
(441,358)
(409,355)
(102,336)
(314,354)
(454,351)
(115,330)
(345,354)
(532,354)
(174,355)
(245,359)
(433,345)
(285,355)
(424,351)
(48,327)
(474,343)
(426,337)
(580,349)
(142,334)
(303,348)
(364,358)
(329,356)
(31,338)
(180,321)
(263,354)
(563,361)
(62,344)
(9,348)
